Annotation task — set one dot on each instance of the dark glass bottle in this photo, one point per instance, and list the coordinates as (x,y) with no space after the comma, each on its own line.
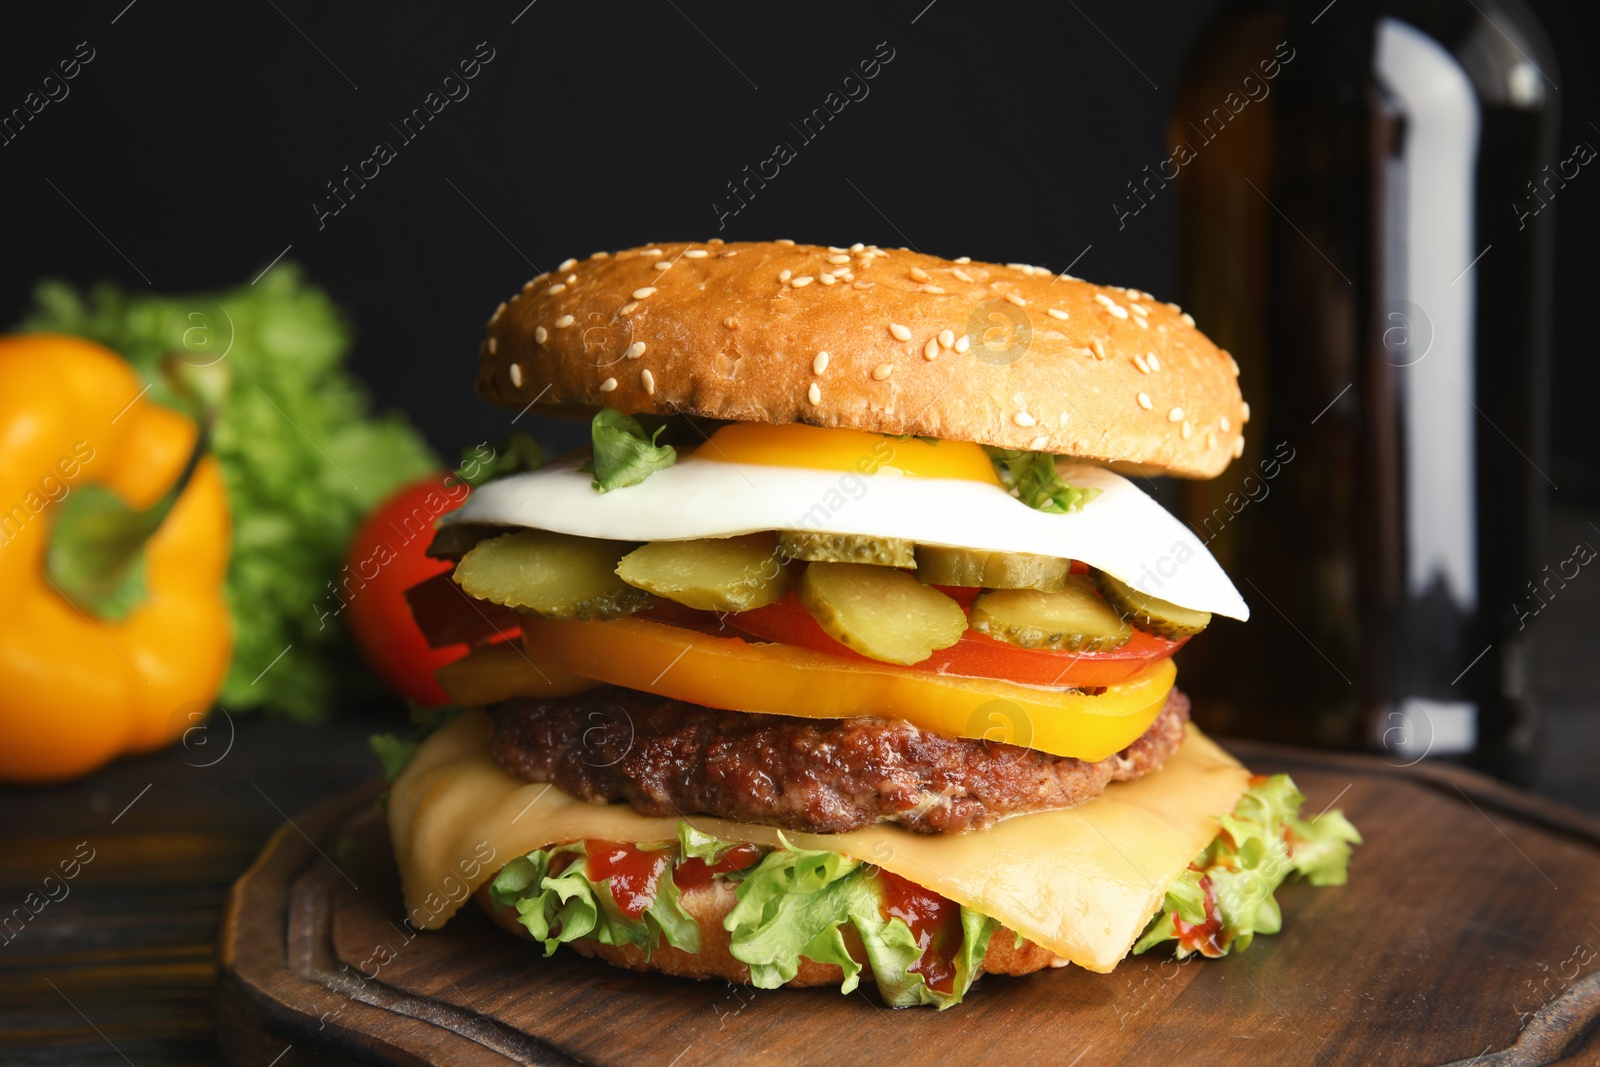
(1366,224)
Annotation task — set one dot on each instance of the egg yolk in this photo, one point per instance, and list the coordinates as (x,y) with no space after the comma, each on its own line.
(817,448)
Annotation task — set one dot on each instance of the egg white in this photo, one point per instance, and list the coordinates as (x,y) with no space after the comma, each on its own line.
(1122,531)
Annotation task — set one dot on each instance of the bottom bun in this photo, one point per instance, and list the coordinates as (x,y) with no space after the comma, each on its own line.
(710,903)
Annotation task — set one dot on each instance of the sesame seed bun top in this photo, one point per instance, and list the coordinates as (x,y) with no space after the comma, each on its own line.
(871,339)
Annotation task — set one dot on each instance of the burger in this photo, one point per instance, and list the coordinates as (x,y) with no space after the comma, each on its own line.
(844,656)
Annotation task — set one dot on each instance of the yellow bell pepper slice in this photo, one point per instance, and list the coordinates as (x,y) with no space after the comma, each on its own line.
(776,679)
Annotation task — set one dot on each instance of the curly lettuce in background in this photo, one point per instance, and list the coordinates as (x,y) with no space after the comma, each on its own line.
(304,457)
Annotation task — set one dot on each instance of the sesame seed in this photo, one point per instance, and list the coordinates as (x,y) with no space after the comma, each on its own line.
(1244,412)
(530,283)
(882,371)
(1063,418)
(635,350)
(1139,361)
(1017,300)
(540,334)
(1154,361)
(1118,311)
(1144,324)
(608,385)
(963,343)
(1057,313)
(802,281)
(1188,319)
(727,255)
(842,257)
(628,308)
(833,248)
(1097,347)
(783,241)
(572,279)
(651,252)
(814,394)
(567,264)
(947,338)
(649,381)
(1138,309)
(696,253)
(785,274)
(899,332)
(819,363)
(1211,439)
(1224,424)
(1022,418)
(1238,447)
(919,274)
(936,290)
(1175,415)
(731,323)
(964,260)
(558,287)
(857,247)
(491,345)
(663,265)
(1187,429)
(1234,364)
(931,349)
(861,285)
(640,294)
(961,275)
(1144,401)
(600,255)
(515,373)
(563,322)
(825,278)
(1038,443)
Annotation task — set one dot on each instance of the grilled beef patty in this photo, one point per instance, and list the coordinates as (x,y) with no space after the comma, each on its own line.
(665,757)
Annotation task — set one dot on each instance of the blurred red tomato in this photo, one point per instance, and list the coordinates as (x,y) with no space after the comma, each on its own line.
(386,558)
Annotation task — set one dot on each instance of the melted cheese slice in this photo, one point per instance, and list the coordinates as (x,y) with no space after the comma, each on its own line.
(1082,882)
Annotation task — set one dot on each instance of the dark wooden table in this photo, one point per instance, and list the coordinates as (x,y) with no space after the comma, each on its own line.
(123,969)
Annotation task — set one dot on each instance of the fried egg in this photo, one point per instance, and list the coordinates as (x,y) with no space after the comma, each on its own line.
(749,477)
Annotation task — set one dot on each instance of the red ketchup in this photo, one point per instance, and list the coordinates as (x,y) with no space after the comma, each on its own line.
(935,922)
(694,871)
(634,873)
(1205,937)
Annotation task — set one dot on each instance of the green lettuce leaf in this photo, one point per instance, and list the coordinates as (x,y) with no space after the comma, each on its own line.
(393,753)
(1263,843)
(624,454)
(796,903)
(1032,478)
(516,453)
(303,456)
(570,905)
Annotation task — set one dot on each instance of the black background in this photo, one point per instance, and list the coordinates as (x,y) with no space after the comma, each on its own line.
(200,136)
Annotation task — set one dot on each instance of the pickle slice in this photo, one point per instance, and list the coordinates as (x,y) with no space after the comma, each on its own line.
(712,574)
(1152,614)
(456,539)
(990,570)
(882,613)
(846,548)
(554,575)
(1073,619)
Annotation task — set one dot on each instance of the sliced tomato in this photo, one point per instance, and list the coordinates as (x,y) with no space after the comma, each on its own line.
(975,655)
(446,615)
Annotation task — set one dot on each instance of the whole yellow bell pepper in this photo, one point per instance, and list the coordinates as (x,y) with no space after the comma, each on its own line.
(75,690)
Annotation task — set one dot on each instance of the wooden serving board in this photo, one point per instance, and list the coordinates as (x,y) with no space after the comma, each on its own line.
(1469,933)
